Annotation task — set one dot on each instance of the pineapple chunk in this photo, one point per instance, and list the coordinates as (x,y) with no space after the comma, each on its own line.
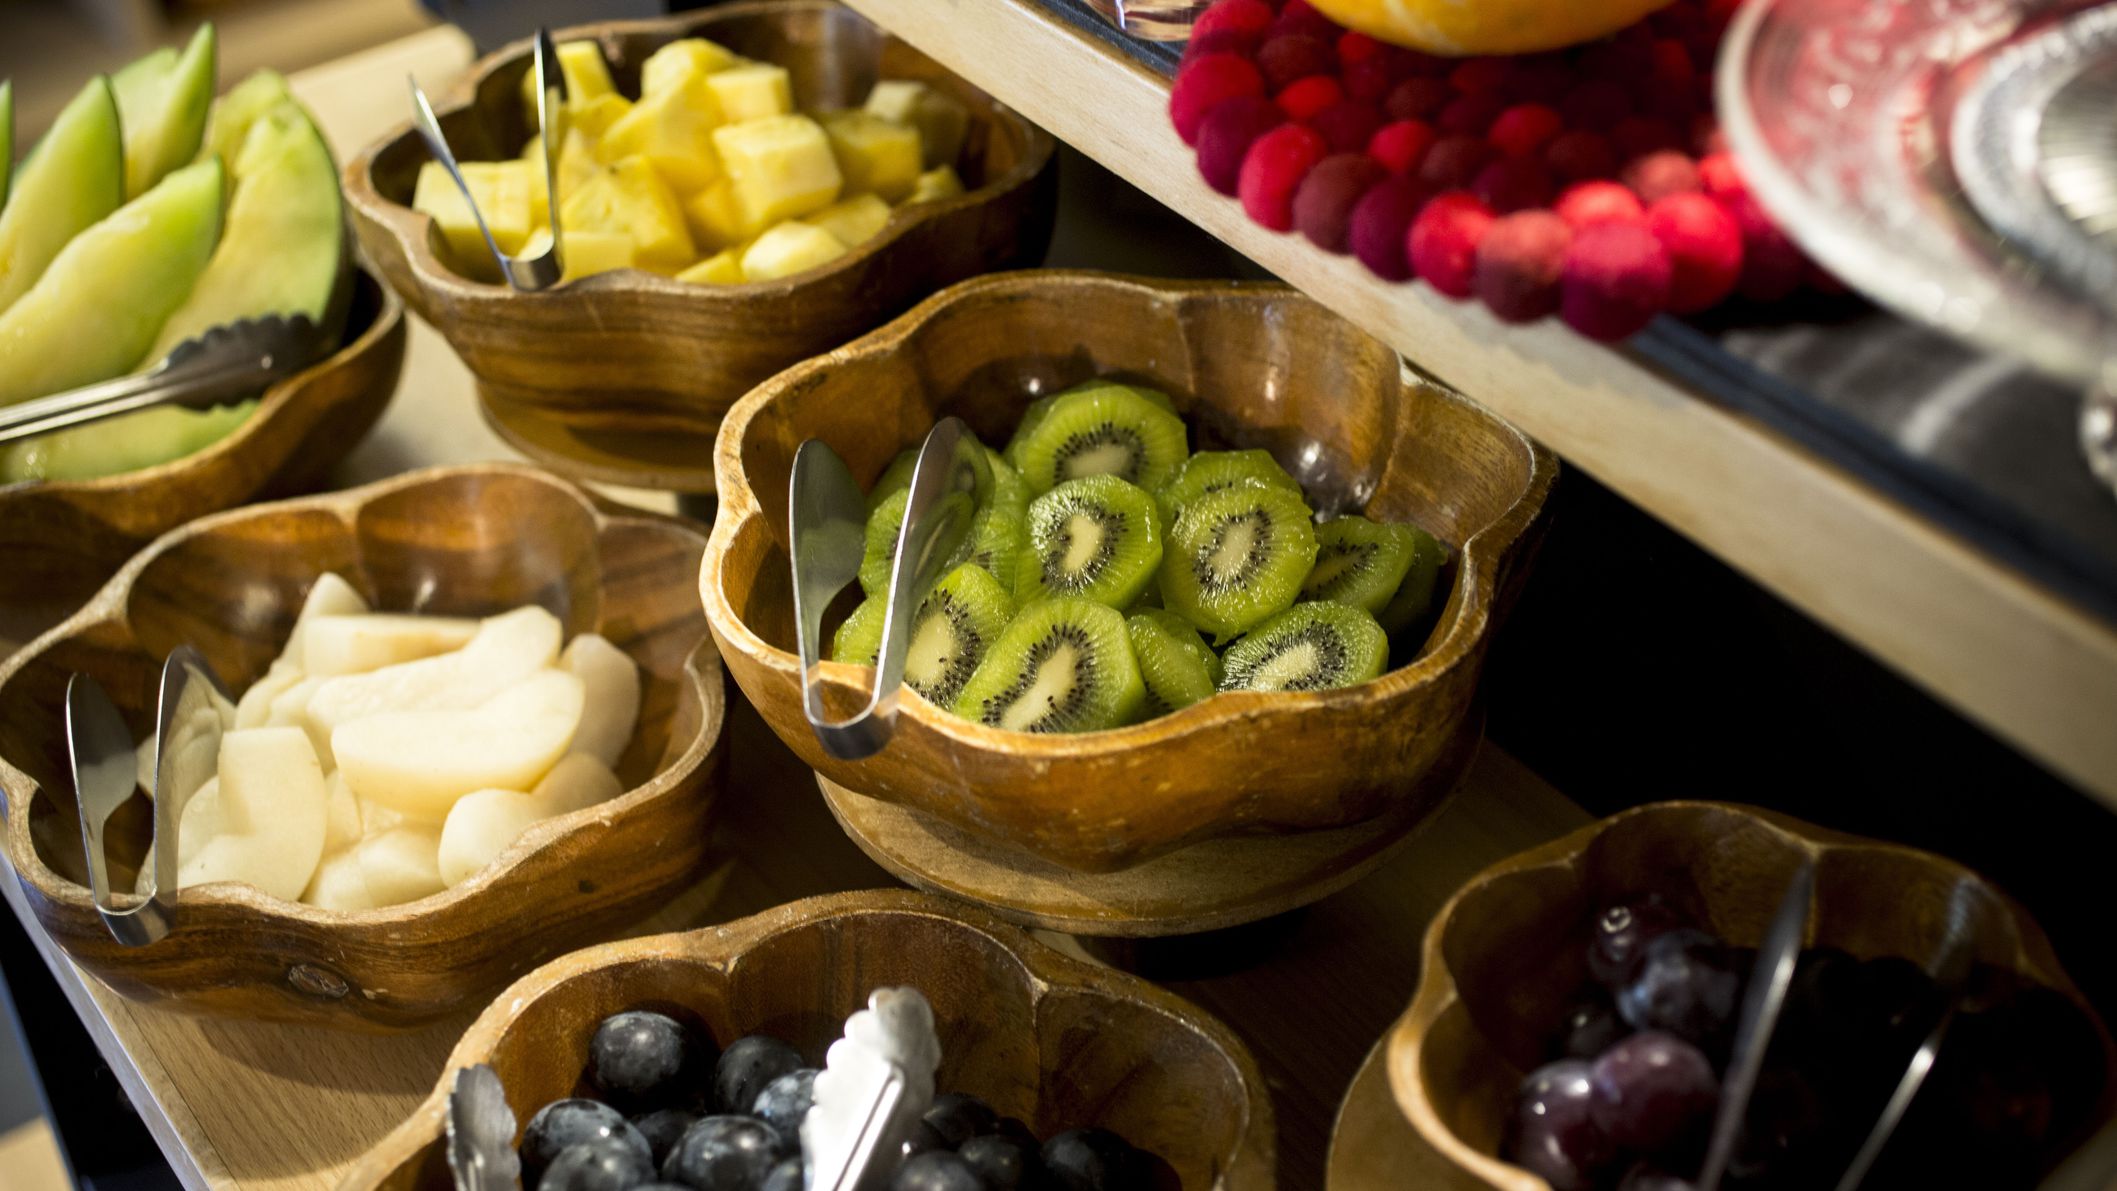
(875,155)
(781,166)
(939,182)
(722,268)
(666,67)
(593,117)
(941,119)
(631,198)
(502,189)
(853,221)
(576,167)
(789,248)
(752,91)
(587,76)
(717,218)
(587,253)
(673,130)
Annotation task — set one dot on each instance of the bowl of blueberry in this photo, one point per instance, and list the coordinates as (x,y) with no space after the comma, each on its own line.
(1580,1003)
(691,1061)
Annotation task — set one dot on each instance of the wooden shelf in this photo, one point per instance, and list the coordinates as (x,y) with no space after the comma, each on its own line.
(2034,669)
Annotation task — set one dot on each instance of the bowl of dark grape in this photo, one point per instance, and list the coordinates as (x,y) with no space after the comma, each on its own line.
(688,1061)
(1578,1012)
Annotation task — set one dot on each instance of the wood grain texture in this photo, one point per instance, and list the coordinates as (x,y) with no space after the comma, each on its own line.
(1041,1036)
(1247,365)
(63,539)
(1372,1146)
(2006,652)
(1506,956)
(635,365)
(460,541)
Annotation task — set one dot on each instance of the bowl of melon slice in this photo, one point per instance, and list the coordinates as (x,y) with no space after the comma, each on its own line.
(737,190)
(447,749)
(148,214)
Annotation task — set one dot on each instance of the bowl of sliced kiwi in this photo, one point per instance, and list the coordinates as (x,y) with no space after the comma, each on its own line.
(1236,574)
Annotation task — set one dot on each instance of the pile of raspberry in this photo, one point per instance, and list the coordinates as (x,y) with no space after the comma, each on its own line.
(1591,183)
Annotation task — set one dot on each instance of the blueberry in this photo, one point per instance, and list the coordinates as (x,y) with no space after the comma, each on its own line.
(661,1128)
(605,1164)
(642,1060)
(1003,1163)
(958,1118)
(785,1101)
(564,1123)
(725,1153)
(786,1176)
(936,1170)
(746,1067)
(1094,1160)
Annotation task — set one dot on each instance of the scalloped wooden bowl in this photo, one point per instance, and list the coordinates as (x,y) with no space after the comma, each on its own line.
(1504,958)
(638,365)
(1041,1036)
(64,538)
(1248,365)
(455,541)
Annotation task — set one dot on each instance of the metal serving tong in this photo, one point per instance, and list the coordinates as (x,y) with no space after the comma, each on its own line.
(189,718)
(544,269)
(224,363)
(827,517)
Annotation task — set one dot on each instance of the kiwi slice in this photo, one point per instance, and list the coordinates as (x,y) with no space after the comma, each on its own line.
(1061,665)
(883,526)
(894,479)
(1098,430)
(1360,562)
(954,626)
(1309,647)
(1236,556)
(997,535)
(1008,489)
(1414,598)
(859,639)
(1210,471)
(1177,665)
(1098,538)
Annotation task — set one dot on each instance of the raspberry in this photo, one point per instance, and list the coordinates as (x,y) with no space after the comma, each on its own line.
(1204,84)
(1419,65)
(1720,176)
(1706,136)
(1454,162)
(1324,203)
(1471,114)
(1659,175)
(1671,68)
(1616,280)
(1580,155)
(1309,96)
(1273,168)
(1289,57)
(1477,76)
(1598,104)
(1443,242)
(1347,125)
(1299,16)
(1225,138)
(1637,136)
(1705,250)
(1519,265)
(1513,184)
(1524,129)
(1380,223)
(1418,99)
(1772,267)
(1542,78)
(1369,79)
(1355,46)
(1585,204)
(1248,17)
(1401,146)
(1226,41)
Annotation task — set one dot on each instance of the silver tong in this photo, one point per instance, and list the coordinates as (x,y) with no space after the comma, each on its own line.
(525,273)
(827,522)
(225,363)
(190,715)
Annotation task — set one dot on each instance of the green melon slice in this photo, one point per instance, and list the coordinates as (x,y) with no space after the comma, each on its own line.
(74,177)
(144,439)
(236,111)
(100,304)
(162,102)
(7,135)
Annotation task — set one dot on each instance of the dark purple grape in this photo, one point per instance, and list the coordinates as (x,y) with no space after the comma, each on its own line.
(786,1176)
(785,1101)
(1552,1135)
(1094,1160)
(640,1060)
(659,1185)
(1647,1177)
(1684,987)
(1002,1163)
(1819,1014)
(1589,1028)
(725,1153)
(1621,934)
(604,1164)
(746,1067)
(1896,999)
(1784,1139)
(923,1138)
(936,1170)
(958,1117)
(564,1123)
(1650,1090)
(662,1128)
(1015,1131)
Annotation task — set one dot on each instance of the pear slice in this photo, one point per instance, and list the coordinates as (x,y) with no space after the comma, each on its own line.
(199,821)
(506,649)
(342,827)
(334,645)
(579,780)
(481,826)
(340,883)
(71,179)
(612,707)
(420,762)
(330,595)
(401,865)
(270,801)
(162,103)
(290,709)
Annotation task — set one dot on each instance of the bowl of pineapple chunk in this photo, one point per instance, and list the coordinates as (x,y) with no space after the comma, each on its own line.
(738,190)
(448,750)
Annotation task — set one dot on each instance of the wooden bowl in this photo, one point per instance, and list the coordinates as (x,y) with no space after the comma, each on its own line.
(449,541)
(1054,1041)
(1248,365)
(1507,954)
(638,365)
(64,538)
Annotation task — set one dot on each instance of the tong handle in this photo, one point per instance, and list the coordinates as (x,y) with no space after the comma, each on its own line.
(199,384)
